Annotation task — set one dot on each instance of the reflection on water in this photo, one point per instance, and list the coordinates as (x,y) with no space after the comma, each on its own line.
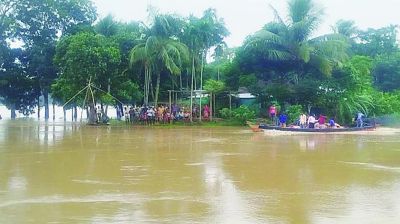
(67,173)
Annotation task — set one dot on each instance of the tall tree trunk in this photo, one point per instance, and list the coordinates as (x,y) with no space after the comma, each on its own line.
(46,104)
(75,113)
(201,70)
(119,109)
(145,86)
(108,91)
(92,114)
(54,110)
(65,114)
(13,114)
(38,107)
(191,91)
(187,79)
(195,79)
(152,91)
(180,82)
(118,113)
(157,89)
(215,104)
(201,81)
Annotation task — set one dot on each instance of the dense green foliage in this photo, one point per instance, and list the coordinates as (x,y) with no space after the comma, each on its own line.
(284,63)
(240,114)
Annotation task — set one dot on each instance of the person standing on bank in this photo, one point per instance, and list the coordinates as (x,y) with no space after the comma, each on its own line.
(272,114)
(359,120)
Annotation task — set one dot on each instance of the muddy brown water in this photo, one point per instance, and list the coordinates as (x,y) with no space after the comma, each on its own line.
(67,173)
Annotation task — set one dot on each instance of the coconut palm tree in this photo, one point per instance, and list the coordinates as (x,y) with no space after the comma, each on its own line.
(160,52)
(291,41)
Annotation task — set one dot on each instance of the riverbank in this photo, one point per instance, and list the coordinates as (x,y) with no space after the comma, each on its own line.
(214,123)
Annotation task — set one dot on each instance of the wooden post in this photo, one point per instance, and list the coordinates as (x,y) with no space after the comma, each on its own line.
(201,93)
(211,106)
(170,104)
(215,105)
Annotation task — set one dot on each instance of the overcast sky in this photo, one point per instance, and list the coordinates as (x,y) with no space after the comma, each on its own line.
(244,17)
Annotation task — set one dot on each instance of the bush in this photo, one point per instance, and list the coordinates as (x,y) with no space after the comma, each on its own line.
(226,113)
(294,112)
(240,114)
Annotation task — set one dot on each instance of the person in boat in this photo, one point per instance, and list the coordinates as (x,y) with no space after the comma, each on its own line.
(303,121)
(359,119)
(311,121)
(321,121)
(272,113)
(333,124)
(282,120)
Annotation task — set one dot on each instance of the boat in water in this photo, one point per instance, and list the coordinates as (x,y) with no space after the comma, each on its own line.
(318,130)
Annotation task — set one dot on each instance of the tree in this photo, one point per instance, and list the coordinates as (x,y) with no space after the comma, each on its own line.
(7,19)
(17,89)
(213,87)
(200,34)
(39,24)
(386,72)
(346,28)
(374,42)
(353,89)
(160,52)
(290,43)
(85,57)
(107,26)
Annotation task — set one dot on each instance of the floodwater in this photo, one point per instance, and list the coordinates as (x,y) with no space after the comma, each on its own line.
(67,173)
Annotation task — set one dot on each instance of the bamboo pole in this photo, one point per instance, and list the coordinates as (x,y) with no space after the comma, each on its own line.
(211,106)
(191,92)
(84,102)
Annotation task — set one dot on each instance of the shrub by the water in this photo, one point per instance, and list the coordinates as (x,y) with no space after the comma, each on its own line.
(240,114)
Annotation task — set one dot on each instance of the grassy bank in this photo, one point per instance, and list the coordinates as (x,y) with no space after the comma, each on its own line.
(215,123)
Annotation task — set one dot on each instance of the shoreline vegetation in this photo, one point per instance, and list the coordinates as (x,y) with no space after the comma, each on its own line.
(164,63)
(388,121)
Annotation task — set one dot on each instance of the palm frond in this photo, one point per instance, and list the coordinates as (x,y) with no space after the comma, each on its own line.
(323,64)
(138,53)
(304,51)
(277,55)
(264,37)
(277,16)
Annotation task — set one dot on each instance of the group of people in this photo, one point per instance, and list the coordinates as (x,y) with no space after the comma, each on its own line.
(311,121)
(148,115)
(304,121)
(321,122)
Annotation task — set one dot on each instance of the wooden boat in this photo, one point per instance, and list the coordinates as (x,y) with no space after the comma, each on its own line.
(324,130)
